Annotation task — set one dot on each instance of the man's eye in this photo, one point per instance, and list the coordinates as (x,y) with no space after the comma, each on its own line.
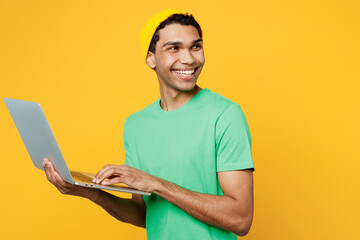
(197,46)
(173,48)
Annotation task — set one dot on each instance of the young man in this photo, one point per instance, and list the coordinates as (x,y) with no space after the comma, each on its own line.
(191,148)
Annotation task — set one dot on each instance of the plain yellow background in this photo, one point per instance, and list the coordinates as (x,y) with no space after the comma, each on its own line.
(293,66)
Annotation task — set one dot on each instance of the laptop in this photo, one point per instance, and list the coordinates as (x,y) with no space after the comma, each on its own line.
(40,143)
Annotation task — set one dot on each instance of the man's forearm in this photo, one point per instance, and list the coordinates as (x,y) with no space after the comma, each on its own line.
(232,212)
(130,211)
(221,211)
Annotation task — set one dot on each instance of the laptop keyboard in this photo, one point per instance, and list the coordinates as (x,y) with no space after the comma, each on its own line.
(84,177)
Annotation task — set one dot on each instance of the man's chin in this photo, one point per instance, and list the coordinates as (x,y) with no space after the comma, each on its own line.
(189,87)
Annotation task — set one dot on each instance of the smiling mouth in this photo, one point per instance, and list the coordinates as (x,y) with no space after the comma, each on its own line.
(184,73)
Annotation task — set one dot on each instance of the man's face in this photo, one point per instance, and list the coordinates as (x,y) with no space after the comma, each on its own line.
(179,57)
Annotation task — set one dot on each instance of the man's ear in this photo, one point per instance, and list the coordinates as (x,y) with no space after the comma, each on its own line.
(150,60)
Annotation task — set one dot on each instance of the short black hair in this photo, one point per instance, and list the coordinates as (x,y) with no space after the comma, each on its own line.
(183,19)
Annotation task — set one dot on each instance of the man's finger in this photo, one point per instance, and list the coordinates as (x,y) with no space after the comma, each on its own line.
(60,183)
(114,180)
(45,161)
(55,177)
(101,172)
(57,180)
(104,174)
(110,172)
(48,172)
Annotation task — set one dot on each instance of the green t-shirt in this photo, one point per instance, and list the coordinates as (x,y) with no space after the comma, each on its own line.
(187,146)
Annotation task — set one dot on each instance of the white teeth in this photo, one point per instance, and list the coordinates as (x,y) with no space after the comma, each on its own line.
(185,72)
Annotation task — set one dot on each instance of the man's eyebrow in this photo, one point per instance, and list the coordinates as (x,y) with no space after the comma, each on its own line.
(180,43)
(197,41)
(173,43)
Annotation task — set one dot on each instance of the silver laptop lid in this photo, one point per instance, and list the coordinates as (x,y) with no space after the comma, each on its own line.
(37,135)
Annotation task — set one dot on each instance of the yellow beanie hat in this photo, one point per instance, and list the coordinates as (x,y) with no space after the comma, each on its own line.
(150,26)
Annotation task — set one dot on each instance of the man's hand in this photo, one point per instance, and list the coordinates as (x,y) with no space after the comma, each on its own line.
(65,188)
(128,175)
(127,210)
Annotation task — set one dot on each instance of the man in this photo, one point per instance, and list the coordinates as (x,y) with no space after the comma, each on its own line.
(191,148)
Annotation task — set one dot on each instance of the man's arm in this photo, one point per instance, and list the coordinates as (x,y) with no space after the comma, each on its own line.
(131,211)
(232,212)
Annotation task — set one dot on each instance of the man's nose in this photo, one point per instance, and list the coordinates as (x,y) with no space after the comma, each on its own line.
(186,57)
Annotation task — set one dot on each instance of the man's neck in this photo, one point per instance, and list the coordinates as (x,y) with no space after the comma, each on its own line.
(172,99)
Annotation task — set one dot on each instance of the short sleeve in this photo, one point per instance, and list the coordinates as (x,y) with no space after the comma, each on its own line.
(233,141)
(126,137)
